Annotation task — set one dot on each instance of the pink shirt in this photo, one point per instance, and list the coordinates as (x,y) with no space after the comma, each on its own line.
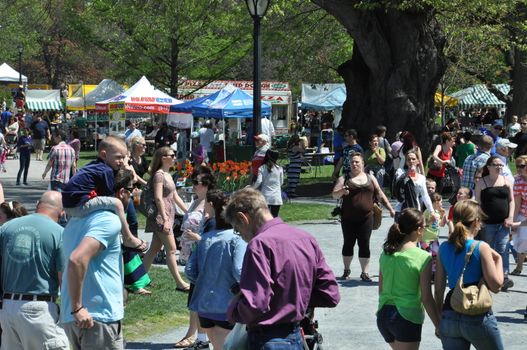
(520,189)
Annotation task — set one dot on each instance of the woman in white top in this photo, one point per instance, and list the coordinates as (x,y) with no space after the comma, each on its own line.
(269,181)
(409,144)
(410,187)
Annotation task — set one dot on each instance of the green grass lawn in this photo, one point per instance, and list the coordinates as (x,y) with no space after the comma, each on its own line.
(165,309)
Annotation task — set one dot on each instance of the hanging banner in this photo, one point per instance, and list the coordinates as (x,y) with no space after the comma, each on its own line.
(180,120)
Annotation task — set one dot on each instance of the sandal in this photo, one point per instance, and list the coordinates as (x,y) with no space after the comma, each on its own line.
(516,272)
(184,289)
(142,247)
(345,275)
(365,277)
(185,343)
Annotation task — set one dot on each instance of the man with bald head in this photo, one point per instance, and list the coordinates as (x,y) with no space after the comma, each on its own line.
(32,264)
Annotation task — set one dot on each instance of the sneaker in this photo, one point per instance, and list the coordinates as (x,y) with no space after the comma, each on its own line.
(198,345)
(507,283)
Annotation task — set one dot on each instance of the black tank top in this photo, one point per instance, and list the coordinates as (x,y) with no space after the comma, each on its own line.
(495,203)
(358,205)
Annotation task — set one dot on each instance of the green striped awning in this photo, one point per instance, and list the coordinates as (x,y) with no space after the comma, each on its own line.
(36,105)
(478,96)
(41,100)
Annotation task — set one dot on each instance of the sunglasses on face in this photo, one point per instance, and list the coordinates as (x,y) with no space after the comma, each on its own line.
(497,165)
(498,128)
(521,166)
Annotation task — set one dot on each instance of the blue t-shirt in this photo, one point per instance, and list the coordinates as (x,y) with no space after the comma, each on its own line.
(39,129)
(453,263)
(6,116)
(102,291)
(24,141)
(31,251)
(95,176)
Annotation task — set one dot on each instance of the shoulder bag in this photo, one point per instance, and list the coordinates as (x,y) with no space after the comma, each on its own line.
(471,300)
(147,204)
(377,209)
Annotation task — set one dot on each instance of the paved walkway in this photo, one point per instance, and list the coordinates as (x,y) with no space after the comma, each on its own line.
(351,325)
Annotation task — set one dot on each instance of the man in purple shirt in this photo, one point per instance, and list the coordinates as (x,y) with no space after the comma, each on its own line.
(284,272)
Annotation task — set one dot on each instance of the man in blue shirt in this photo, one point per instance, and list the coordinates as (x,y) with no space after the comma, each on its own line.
(131,132)
(6,117)
(92,292)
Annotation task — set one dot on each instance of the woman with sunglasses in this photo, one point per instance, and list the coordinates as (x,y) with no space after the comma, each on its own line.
(520,213)
(166,199)
(495,195)
(193,225)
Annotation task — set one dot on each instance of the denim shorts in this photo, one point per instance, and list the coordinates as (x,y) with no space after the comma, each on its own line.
(394,327)
(205,322)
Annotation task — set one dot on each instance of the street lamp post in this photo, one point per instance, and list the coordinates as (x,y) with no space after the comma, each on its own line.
(20,48)
(257,9)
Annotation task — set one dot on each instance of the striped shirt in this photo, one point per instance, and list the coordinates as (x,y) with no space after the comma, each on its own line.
(520,189)
(62,158)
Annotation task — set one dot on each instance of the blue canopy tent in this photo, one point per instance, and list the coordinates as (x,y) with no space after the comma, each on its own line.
(238,104)
(186,107)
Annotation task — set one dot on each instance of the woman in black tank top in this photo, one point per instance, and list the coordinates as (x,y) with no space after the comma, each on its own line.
(495,195)
(357,192)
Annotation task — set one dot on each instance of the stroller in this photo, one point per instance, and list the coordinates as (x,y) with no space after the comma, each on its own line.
(10,148)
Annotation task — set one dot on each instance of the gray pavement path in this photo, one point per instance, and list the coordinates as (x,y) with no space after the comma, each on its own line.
(351,325)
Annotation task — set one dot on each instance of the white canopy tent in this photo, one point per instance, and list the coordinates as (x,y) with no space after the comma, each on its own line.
(8,74)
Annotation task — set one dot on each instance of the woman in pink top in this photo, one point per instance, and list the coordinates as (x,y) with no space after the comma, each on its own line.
(442,158)
(520,212)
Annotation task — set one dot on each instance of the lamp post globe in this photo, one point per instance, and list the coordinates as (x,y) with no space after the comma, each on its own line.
(257,10)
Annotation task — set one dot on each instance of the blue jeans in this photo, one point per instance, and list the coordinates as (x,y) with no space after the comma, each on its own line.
(24,166)
(497,236)
(276,340)
(458,331)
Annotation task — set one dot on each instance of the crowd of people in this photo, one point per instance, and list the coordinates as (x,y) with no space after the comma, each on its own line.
(239,264)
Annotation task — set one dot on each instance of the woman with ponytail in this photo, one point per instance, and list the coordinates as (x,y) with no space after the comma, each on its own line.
(459,331)
(405,283)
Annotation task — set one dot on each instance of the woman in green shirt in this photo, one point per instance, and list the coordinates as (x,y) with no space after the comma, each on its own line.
(374,159)
(405,281)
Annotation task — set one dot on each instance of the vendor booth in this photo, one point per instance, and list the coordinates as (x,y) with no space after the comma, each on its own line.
(142,98)
(277,94)
(324,97)
(43,100)
(236,105)
(479,96)
(86,101)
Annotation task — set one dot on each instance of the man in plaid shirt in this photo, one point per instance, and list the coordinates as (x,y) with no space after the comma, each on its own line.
(61,161)
(474,163)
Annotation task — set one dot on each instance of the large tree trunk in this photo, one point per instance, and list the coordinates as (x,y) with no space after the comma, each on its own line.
(519,83)
(397,63)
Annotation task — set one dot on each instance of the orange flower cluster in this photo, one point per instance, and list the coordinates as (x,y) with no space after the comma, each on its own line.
(184,169)
(232,175)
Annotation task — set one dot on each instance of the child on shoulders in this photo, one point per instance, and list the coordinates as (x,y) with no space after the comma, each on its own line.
(92,188)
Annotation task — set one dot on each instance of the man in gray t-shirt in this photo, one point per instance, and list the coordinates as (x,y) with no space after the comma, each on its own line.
(32,264)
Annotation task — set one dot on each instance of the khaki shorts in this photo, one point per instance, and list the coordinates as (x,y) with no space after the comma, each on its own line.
(39,144)
(100,336)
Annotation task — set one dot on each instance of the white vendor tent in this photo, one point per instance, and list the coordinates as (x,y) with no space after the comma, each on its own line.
(42,100)
(8,74)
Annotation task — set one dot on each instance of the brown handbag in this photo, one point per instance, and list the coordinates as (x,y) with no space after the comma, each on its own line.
(377,216)
(471,300)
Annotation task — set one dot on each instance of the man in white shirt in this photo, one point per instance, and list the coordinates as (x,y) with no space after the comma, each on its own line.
(503,150)
(268,128)
(206,137)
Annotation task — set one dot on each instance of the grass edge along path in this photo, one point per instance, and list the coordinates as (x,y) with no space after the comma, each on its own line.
(166,308)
